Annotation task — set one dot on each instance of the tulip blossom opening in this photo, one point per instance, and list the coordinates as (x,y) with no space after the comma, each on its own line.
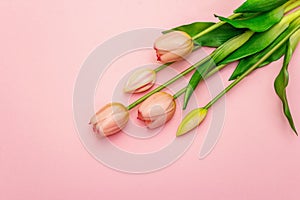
(157,110)
(173,46)
(110,119)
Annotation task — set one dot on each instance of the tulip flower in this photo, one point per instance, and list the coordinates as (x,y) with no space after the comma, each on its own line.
(110,119)
(157,109)
(140,81)
(191,121)
(173,46)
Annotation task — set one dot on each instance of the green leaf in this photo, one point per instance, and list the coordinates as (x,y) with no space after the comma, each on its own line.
(217,37)
(247,62)
(231,46)
(214,38)
(257,23)
(193,28)
(282,79)
(198,75)
(275,56)
(218,55)
(259,5)
(257,42)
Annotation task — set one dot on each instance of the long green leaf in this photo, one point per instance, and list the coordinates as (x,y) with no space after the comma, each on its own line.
(218,55)
(282,79)
(257,23)
(259,5)
(247,62)
(192,29)
(195,79)
(257,42)
(215,38)
(275,56)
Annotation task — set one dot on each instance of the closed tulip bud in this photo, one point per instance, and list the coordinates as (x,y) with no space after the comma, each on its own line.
(110,119)
(140,81)
(173,46)
(191,121)
(157,109)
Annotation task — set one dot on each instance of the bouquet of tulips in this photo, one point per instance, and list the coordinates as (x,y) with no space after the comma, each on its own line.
(258,33)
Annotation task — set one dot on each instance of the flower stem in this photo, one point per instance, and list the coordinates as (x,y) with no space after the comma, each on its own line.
(214,100)
(215,26)
(179,93)
(291,5)
(191,68)
(162,67)
(212,72)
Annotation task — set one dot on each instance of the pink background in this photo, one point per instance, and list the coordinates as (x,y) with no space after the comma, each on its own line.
(44,43)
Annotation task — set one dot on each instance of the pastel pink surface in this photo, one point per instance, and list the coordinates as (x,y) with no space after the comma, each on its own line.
(44,43)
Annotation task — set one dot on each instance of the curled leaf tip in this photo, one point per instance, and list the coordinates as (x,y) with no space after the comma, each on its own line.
(191,121)
(187,96)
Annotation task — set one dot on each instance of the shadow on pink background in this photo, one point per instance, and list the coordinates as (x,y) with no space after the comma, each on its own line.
(44,43)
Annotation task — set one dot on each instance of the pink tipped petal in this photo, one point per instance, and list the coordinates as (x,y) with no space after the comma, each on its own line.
(110,119)
(173,46)
(157,109)
(159,121)
(155,102)
(140,81)
(172,40)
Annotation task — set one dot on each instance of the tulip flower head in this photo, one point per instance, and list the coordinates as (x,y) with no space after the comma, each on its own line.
(173,46)
(191,121)
(157,110)
(140,81)
(110,119)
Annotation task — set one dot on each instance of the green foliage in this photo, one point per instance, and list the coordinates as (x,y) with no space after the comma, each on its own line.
(258,22)
(282,79)
(214,38)
(218,55)
(257,42)
(259,5)
(247,62)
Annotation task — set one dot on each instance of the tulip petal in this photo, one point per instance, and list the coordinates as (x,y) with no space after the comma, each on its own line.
(172,40)
(191,121)
(157,109)
(173,46)
(110,119)
(140,81)
(175,55)
(159,101)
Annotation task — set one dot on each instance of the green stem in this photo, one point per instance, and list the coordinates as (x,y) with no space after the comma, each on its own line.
(179,93)
(292,5)
(212,72)
(169,82)
(215,26)
(162,67)
(291,17)
(190,69)
(214,100)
